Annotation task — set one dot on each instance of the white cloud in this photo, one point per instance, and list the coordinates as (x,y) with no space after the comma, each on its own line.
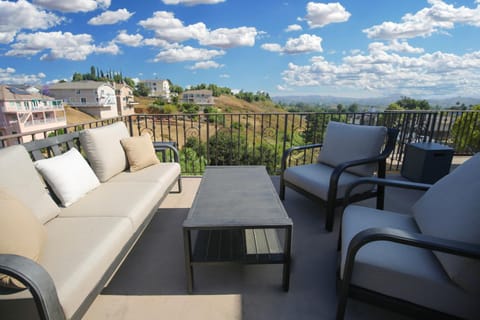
(439,17)
(111,17)
(15,16)
(321,14)
(228,38)
(171,29)
(206,65)
(133,40)
(192,2)
(10,75)
(293,27)
(306,43)
(384,72)
(73,5)
(187,53)
(394,45)
(58,45)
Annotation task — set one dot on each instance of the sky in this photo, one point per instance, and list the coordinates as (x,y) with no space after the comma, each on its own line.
(350,48)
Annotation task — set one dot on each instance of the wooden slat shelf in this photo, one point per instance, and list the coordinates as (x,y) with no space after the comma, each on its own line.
(237,245)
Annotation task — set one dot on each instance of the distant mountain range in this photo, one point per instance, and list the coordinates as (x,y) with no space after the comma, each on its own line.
(370,102)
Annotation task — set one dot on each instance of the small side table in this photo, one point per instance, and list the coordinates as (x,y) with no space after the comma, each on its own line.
(426,162)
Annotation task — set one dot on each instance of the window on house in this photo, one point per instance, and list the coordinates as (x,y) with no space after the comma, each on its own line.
(78,91)
(83,100)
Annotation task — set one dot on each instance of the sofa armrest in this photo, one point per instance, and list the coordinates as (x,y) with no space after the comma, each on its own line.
(167,146)
(37,280)
(419,240)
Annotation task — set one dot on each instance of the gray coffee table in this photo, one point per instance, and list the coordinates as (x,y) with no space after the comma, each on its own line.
(237,217)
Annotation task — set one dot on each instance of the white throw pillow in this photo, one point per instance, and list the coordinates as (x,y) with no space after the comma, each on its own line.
(69,175)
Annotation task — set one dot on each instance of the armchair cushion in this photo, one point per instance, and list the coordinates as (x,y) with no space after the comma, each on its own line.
(451,209)
(19,177)
(316,179)
(21,233)
(401,271)
(103,149)
(140,152)
(347,142)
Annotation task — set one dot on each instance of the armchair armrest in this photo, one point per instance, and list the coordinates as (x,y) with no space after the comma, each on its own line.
(385,183)
(289,151)
(403,237)
(37,280)
(164,146)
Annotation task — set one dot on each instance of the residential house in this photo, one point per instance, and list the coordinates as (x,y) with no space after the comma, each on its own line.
(23,109)
(158,88)
(198,97)
(125,100)
(92,97)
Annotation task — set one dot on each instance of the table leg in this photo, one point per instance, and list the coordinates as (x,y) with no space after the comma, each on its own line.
(287,253)
(188,258)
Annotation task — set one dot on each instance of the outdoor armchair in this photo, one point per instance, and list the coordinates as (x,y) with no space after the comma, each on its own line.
(426,261)
(349,152)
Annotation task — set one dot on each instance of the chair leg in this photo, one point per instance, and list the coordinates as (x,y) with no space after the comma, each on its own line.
(330,217)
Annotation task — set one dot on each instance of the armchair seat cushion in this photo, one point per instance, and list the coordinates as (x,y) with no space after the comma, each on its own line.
(404,272)
(316,179)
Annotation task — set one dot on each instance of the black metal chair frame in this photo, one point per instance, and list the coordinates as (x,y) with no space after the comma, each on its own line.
(332,201)
(346,289)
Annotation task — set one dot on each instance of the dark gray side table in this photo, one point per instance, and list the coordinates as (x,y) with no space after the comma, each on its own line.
(426,162)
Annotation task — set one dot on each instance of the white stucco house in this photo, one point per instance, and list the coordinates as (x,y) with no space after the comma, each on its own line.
(158,88)
(95,98)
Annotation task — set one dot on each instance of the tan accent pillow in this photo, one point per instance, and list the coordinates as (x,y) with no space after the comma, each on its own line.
(140,152)
(21,233)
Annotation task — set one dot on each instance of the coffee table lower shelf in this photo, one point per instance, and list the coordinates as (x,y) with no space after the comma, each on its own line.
(247,246)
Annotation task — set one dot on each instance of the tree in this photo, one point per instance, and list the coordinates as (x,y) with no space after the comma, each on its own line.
(141,90)
(353,108)
(394,107)
(466,131)
(407,103)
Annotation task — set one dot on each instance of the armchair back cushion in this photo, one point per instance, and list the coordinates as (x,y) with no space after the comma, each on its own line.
(347,142)
(103,149)
(20,178)
(451,209)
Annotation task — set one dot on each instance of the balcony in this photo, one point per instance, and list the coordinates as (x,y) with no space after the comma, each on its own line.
(151,283)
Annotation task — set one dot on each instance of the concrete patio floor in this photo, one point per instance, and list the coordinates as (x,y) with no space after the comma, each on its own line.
(151,283)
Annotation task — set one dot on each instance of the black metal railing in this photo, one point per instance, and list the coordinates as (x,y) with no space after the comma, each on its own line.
(261,138)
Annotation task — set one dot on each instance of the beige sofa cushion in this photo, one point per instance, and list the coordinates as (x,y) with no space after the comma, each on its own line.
(21,233)
(103,149)
(19,176)
(140,152)
(69,175)
(451,209)
(346,142)
(77,253)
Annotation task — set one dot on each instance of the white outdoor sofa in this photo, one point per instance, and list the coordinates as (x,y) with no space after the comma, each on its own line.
(83,242)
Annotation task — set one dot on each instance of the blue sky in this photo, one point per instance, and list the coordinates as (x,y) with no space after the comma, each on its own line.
(351,48)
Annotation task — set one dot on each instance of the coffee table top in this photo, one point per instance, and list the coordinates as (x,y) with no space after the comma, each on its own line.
(236,196)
